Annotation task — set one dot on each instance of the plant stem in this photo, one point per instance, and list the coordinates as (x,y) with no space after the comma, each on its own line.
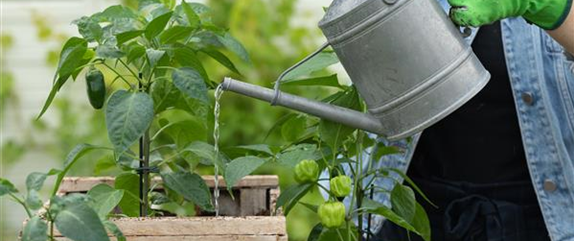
(118,74)
(18,200)
(128,67)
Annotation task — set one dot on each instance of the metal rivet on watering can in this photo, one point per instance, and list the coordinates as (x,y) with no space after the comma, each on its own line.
(390,2)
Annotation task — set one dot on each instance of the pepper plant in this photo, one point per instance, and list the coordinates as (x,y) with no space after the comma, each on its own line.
(144,69)
(350,162)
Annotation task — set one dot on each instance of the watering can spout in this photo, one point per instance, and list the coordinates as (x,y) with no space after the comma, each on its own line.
(319,109)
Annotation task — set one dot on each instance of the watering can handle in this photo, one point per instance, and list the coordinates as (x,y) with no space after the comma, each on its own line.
(278,81)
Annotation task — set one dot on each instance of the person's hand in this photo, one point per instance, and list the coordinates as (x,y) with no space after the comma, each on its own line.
(547,14)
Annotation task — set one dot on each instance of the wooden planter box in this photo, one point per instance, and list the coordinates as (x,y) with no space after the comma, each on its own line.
(249,217)
(202,229)
(254,195)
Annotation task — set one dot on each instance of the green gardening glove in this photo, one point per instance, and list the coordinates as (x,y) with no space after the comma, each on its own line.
(547,14)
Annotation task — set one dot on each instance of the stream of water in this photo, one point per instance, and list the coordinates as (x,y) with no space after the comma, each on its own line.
(218,92)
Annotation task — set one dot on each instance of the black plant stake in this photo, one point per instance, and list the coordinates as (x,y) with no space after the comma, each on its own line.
(369,216)
(143,170)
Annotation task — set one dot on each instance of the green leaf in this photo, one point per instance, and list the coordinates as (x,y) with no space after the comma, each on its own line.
(104,199)
(175,33)
(421,223)
(89,28)
(206,152)
(35,180)
(156,26)
(116,12)
(330,234)
(383,150)
(403,202)
(192,18)
(72,157)
(190,82)
(191,186)
(128,116)
(35,230)
(109,52)
(130,203)
(239,151)
(311,207)
(188,58)
(234,46)
(185,132)
(71,57)
(331,81)
(295,154)
(319,62)
(187,209)
(374,207)
(240,168)
(288,198)
(124,37)
(412,184)
(279,123)
(78,222)
(165,95)
(154,56)
(221,58)
(335,133)
(72,53)
(135,52)
(316,233)
(87,58)
(33,200)
(292,129)
(6,187)
(114,229)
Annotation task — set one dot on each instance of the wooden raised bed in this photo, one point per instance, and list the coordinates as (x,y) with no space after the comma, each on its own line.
(254,195)
(249,217)
(202,229)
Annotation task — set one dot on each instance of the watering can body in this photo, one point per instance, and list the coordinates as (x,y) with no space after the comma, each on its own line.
(406,58)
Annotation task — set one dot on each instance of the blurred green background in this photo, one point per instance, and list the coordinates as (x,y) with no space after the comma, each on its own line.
(276,33)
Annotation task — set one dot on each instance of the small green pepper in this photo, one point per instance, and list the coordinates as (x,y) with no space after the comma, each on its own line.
(96,87)
(340,186)
(332,214)
(307,171)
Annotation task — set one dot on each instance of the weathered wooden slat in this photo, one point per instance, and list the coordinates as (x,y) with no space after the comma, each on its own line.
(84,184)
(201,238)
(201,227)
(253,201)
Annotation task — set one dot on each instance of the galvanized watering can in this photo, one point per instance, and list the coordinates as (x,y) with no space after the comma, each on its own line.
(406,58)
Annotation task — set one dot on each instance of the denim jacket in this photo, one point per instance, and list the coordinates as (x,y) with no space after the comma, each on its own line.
(542,78)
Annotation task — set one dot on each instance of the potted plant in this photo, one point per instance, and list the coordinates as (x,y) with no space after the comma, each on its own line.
(144,69)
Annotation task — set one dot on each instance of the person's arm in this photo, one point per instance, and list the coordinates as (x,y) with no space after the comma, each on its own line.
(555,16)
(565,33)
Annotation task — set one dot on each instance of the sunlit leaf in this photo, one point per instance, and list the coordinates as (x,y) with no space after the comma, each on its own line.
(234,46)
(190,82)
(128,116)
(156,26)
